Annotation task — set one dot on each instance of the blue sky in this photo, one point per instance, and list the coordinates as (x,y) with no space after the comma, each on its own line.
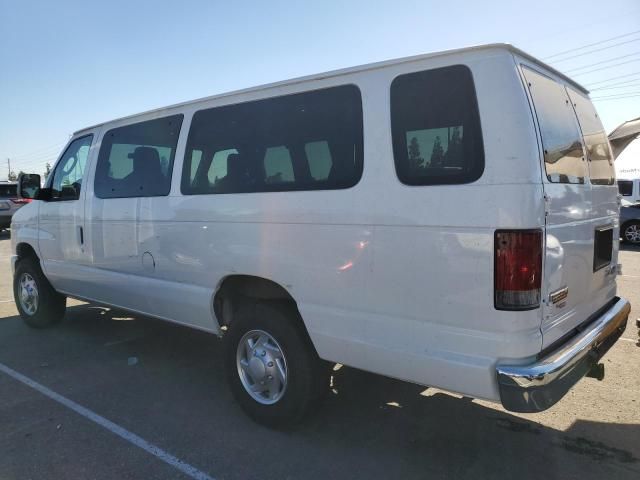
(69,64)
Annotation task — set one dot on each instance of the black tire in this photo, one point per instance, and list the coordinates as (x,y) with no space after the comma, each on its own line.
(50,307)
(624,232)
(307,375)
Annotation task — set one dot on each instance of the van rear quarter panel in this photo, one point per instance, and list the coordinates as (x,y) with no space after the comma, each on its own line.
(433,249)
(389,278)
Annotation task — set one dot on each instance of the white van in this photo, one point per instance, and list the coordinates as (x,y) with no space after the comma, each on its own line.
(448,219)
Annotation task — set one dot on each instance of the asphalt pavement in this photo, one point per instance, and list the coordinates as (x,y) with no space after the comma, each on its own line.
(159,391)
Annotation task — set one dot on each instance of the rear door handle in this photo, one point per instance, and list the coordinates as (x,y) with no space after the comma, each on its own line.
(81,235)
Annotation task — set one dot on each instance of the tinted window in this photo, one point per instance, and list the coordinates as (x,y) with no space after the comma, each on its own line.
(137,160)
(306,141)
(601,170)
(69,173)
(561,140)
(8,190)
(625,187)
(436,127)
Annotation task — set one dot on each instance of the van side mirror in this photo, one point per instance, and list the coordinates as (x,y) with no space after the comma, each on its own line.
(28,185)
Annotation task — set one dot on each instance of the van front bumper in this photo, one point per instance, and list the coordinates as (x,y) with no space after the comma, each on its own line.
(537,386)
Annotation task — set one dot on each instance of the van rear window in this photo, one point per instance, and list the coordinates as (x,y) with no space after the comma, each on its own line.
(601,170)
(561,140)
(436,127)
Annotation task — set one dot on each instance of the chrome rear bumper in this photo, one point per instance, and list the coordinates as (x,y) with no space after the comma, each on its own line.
(537,386)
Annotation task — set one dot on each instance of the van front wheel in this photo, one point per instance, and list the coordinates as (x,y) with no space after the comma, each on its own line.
(39,305)
(272,368)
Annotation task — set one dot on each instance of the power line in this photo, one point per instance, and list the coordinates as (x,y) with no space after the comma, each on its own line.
(35,161)
(616,85)
(635,84)
(40,150)
(592,44)
(637,92)
(603,61)
(34,164)
(596,50)
(613,78)
(608,66)
(616,98)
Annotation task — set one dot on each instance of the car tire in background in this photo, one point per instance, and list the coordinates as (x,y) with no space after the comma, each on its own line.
(39,305)
(630,232)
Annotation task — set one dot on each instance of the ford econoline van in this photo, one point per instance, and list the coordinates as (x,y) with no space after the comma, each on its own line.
(449,219)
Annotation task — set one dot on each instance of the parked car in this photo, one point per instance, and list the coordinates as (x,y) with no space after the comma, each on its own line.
(9,203)
(449,219)
(630,222)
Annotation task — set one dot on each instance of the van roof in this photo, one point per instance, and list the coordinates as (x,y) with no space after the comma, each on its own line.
(349,70)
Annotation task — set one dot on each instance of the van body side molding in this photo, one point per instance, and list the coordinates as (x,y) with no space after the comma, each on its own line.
(537,386)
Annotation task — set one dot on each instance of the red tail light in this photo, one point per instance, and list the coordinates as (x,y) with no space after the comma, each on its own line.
(20,201)
(518,269)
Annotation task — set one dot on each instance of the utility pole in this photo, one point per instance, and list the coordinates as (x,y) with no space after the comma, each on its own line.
(9,167)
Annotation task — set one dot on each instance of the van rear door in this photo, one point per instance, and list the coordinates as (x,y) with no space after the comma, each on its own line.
(581,238)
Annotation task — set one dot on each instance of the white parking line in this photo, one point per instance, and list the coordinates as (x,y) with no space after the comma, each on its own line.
(109,425)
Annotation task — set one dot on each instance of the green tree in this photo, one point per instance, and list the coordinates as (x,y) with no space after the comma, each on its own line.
(12,177)
(437,154)
(454,154)
(47,170)
(415,159)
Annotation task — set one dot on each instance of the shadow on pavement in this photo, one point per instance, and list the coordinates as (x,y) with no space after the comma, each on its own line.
(174,393)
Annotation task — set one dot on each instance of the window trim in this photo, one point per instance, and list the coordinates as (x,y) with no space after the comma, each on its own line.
(464,179)
(360,146)
(171,164)
(52,174)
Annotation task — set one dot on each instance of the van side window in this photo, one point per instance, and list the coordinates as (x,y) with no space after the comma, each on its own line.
(69,173)
(306,141)
(561,140)
(137,160)
(435,126)
(601,169)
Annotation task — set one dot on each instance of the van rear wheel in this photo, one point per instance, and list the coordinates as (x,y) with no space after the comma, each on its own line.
(39,305)
(272,368)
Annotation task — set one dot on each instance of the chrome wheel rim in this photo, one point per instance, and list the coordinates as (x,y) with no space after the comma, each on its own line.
(28,294)
(262,367)
(632,233)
